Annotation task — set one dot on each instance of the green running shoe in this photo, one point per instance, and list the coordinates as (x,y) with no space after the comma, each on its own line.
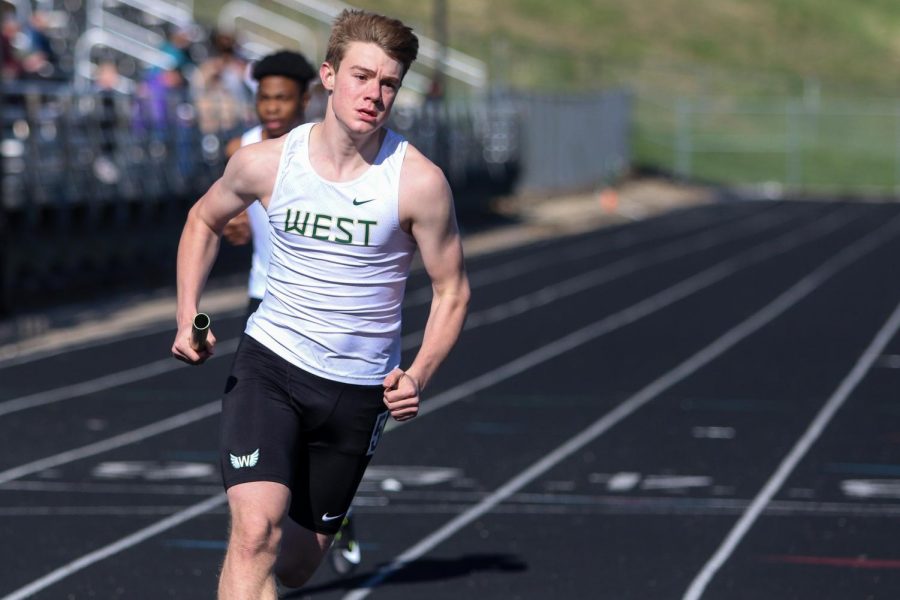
(345,555)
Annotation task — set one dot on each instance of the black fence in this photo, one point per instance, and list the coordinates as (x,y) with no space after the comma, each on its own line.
(96,185)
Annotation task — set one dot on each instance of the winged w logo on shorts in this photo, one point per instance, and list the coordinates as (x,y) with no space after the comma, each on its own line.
(248,460)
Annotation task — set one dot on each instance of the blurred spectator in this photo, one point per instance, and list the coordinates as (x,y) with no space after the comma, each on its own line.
(12,66)
(232,65)
(163,112)
(158,96)
(27,53)
(224,102)
(40,60)
(177,45)
(163,108)
(165,88)
(107,77)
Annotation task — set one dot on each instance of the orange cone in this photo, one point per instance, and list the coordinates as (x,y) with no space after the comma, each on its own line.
(609,200)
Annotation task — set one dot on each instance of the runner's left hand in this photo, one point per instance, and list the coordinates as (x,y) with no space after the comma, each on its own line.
(401,395)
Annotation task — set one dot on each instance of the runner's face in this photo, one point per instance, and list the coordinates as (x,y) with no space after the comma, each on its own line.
(279,104)
(364,87)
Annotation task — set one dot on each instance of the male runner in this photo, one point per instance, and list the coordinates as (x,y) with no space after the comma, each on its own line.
(281,99)
(349,201)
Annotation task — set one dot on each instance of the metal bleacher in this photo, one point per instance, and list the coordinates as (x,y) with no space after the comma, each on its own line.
(94,194)
(94,188)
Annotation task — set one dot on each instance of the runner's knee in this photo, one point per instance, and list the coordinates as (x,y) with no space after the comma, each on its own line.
(252,535)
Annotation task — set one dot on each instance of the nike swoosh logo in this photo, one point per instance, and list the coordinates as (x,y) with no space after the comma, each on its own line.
(360,202)
(326,517)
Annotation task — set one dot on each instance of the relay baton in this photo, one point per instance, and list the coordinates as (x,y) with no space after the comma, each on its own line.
(199,329)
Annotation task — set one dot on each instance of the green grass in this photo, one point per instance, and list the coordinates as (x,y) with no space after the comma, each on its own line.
(843,146)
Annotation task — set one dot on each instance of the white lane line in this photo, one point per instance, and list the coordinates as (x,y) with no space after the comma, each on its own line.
(89,387)
(639,506)
(116,547)
(128,510)
(130,437)
(714,432)
(889,361)
(106,489)
(871,488)
(475,319)
(549,504)
(555,349)
(622,482)
(99,384)
(813,432)
(729,339)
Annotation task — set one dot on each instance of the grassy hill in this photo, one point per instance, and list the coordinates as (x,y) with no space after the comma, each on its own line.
(848,45)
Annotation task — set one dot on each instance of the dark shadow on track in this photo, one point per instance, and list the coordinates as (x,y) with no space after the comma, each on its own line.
(427,570)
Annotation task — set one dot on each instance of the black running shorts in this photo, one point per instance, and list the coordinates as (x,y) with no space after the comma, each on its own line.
(314,435)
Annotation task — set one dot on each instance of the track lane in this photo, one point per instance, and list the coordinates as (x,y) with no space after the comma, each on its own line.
(476,564)
(496,312)
(426,544)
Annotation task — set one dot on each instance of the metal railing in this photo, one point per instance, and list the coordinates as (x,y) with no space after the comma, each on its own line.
(111,40)
(574,142)
(457,65)
(68,147)
(117,26)
(96,184)
(240,15)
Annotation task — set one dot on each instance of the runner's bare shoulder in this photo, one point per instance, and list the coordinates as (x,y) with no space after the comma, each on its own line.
(424,191)
(253,169)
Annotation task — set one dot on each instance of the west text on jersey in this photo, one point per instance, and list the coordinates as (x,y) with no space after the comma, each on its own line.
(339,230)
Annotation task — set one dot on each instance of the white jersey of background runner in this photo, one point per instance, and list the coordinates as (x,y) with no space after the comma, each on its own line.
(259,228)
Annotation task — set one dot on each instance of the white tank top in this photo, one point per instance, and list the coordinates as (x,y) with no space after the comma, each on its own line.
(338,267)
(259,229)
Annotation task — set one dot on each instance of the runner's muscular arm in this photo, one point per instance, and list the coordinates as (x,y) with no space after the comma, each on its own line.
(237,230)
(426,206)
(249,175)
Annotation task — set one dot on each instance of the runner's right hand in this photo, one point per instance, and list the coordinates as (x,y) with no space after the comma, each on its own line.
(182,350)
